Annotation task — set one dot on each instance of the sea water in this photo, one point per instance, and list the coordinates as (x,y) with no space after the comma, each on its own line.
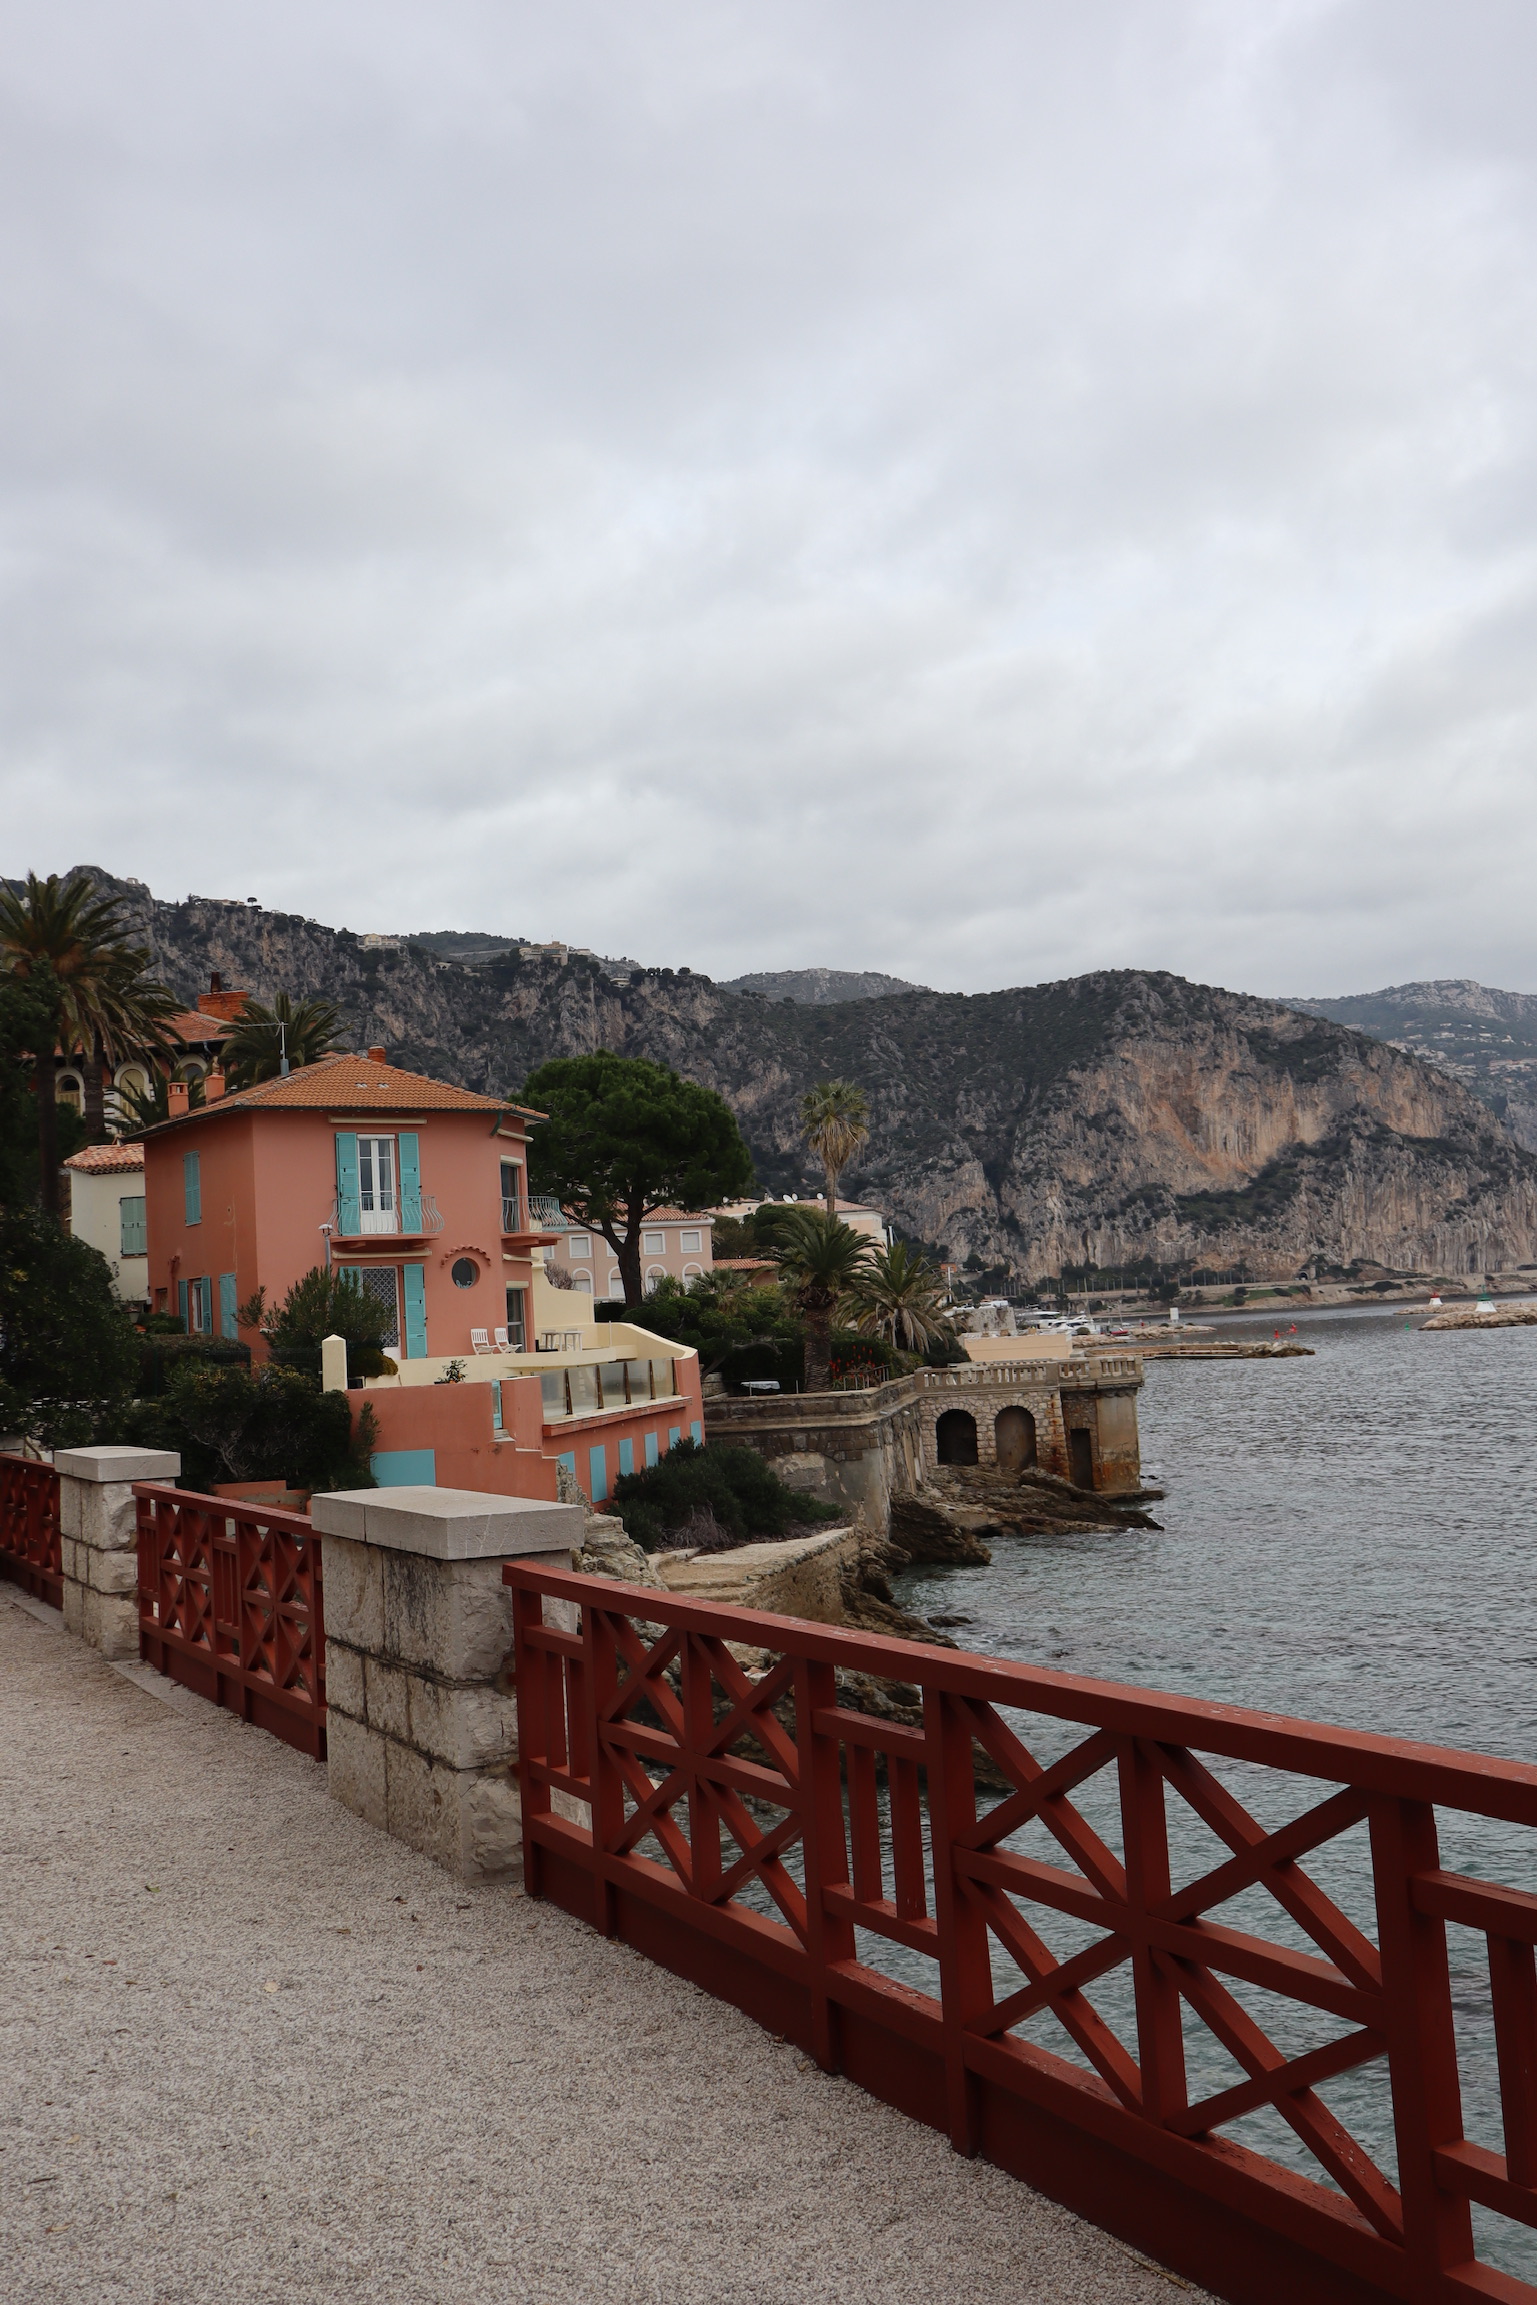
(1349,1538)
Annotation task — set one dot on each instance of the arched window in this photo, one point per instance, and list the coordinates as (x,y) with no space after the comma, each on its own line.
(1014,1439)
(69,1089)
(692,1273)
(654,1273)
(582,1284)
(955,1438)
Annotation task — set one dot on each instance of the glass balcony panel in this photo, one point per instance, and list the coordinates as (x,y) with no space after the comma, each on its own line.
(639,1373)
(662,1386)
(583,1381)
(553,1387)
(612,1384)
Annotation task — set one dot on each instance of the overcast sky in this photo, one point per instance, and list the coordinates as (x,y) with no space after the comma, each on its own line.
(982,491)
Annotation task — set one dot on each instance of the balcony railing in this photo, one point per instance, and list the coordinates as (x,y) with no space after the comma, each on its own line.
(546,1215)
(416,1215)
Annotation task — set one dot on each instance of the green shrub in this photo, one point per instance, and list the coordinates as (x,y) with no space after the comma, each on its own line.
(736,1487)
(160,1355)
(68,1354)
(234,1424)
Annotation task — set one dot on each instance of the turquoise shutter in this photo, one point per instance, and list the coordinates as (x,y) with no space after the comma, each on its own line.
(131,1225)
(181,1304)
(228,1325)
(416,1312)
(348,1221)
(626,1458)
(410,1160)
(597,1473)
(192,1187)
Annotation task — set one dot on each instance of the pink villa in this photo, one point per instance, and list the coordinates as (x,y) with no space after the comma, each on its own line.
(420,1189)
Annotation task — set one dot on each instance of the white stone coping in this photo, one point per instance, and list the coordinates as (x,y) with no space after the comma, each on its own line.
(448,1524)
(116,1462)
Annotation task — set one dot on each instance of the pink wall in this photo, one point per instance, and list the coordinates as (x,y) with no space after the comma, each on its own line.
(269,1181)
(455,1423)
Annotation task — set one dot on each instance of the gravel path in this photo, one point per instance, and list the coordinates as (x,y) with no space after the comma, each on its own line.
(254,2053)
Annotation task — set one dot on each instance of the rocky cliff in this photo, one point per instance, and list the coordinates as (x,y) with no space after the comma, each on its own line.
(1112,1118)
(1485,1038)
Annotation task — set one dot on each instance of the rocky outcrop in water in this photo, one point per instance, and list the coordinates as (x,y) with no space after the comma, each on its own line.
(1109,1119)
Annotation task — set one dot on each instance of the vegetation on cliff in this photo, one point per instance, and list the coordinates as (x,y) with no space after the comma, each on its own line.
(1116,1119)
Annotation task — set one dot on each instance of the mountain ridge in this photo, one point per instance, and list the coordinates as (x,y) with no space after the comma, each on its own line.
(1118,1118)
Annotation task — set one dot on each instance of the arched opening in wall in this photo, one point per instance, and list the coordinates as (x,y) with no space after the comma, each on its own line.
(582,1283)
(68,1088)
(1080,1456)
(955,1438)
(1014,1439)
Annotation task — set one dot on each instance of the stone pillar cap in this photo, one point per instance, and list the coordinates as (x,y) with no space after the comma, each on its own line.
(448,1524)
(117,1463)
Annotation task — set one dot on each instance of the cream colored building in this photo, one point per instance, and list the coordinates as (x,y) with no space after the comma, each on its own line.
(106,1210)
(674,1242)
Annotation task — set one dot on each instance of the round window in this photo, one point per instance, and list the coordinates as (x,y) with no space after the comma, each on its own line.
(464,1273)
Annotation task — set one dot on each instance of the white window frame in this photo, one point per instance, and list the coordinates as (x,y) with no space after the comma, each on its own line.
(691,1244)
(579,1244)
(378,1204)
(653,1244)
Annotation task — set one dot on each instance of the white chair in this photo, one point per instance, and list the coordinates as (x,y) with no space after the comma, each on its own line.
(479,1341)
(502,1345)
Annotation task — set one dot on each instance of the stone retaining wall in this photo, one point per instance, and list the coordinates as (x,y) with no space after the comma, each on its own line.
(861,1449)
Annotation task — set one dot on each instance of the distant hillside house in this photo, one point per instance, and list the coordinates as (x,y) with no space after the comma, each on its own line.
(198,1036)
(674,1242)
(106,1210)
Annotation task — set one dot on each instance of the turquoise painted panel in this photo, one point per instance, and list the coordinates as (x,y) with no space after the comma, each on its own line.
(674,1435)
(405,1468)
(597,1468)
(130,1217)
(652,1451)
(496,1404)
(415,1291)
(697,1429)
(228,1325)
(567,1458)
(192,1187)
(626,1458)
(181,1305)
(410,1156)
(348,1220)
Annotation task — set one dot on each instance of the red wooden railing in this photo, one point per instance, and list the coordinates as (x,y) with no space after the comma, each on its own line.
(230,1605)
(755,1835)
(30,1551)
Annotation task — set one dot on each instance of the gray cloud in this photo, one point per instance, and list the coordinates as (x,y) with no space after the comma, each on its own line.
(982,493)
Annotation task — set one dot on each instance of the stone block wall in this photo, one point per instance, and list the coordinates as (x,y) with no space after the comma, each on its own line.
(421,1725)
(859,1450)
(98,1540)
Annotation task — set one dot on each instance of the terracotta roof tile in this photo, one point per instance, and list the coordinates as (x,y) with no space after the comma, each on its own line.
(191,1024)
(348,1084)
(104,1159)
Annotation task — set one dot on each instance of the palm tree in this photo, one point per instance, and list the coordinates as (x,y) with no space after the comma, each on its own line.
(835,1122)
(821,1263)
(266,1040)
(131,1015)
(899,1298)
(63,935)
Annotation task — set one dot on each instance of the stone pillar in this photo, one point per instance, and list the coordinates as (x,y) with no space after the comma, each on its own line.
(98,1540)
(421,1726)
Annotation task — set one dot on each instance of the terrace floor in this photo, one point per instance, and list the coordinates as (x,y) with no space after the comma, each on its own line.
(254,2053)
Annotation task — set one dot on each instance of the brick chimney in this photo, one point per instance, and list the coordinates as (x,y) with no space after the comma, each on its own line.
(176,1098)
(213,1086)
(220,1002)
(377,1056)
